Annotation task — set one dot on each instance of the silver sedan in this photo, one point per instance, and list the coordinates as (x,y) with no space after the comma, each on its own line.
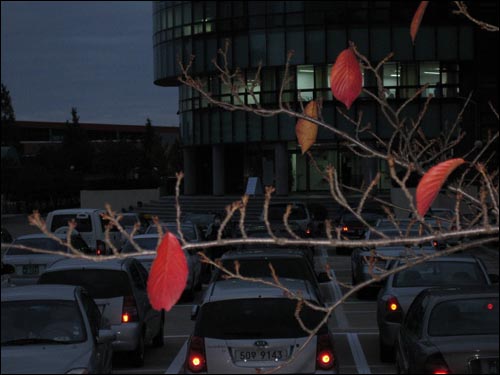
(53,329)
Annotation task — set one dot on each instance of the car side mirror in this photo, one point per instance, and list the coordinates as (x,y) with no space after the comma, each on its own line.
(105,336)
(493,278)
(194,312)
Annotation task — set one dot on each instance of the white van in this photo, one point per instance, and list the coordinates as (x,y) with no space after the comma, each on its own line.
(89,224)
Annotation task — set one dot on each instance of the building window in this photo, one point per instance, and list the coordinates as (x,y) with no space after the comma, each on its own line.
(305,82)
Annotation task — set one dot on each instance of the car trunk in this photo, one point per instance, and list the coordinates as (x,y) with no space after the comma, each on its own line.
(481,350)
(246,356)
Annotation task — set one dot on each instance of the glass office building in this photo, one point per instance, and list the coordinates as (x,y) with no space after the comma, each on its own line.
(222,148)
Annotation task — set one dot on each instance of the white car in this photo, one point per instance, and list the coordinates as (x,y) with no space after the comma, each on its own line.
(244,327)
(150,242)
(28,264)
(89,223)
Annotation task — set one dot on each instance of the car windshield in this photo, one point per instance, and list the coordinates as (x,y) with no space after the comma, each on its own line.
(100,283)
(254,318)
(41,322)
(440,274)
(276,212)
(478,316)
(144,243)
(370,217)
(285,268)
(37,243)
(200,218)
(187,230)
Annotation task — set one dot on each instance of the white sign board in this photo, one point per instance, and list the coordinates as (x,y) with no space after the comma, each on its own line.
(254,186)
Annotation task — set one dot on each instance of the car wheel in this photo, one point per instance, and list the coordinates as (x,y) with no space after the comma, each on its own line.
(386,352)
(158,340)
(137,356)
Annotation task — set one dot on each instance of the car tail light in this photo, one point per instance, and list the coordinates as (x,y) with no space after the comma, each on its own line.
(325,355)
(196,360)
(436,365)
(100,247)
(345,228)
(394,312)
(129,310)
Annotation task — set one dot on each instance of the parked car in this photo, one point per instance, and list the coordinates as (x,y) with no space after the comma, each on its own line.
(287,264)
(244,327)
(299,216)
(401,288)
(279,230)
(450,331)
(28,264)
(53,329)
(89,223)
(118,287)
(189,230)
(128,222)
(150,242)
(208,224)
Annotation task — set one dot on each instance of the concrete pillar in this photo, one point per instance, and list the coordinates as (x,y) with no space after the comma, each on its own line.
(281,168)
(218,171)
(370,169)
(189,171)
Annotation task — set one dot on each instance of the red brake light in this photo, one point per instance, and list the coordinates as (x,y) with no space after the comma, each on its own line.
(490,306)
(100,248)
(129,310)
(393,304)
(441,371)
(325,359)
(436,364)
(345,228)
(308,231)
(196,361)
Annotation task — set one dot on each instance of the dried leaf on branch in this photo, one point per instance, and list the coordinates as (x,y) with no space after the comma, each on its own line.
(305,130)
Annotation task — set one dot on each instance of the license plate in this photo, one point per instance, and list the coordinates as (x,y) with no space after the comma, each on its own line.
(30,269)
(275,355)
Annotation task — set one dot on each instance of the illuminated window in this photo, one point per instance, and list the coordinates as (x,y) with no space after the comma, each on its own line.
(305,81)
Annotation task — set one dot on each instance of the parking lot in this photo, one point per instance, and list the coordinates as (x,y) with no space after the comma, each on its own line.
(353,324)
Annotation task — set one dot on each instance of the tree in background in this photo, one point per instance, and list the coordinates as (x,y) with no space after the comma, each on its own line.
(8,119)
(76,150)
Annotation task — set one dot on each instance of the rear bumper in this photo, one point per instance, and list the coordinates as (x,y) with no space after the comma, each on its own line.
(127,336)
(388,332)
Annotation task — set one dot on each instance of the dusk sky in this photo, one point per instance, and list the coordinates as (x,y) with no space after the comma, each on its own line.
(96,56)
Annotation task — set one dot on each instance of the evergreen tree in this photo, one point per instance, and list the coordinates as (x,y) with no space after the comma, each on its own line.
(10,136)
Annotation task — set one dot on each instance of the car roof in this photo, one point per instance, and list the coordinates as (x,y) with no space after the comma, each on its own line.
(69,264)
(76,211)
(222,290)
(149,235)
(42,235)
(263,254)
(39,292)
(462,291)
(460,258)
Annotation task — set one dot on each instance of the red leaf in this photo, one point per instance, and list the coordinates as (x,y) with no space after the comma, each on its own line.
(345,78)
(432,181)
(417,18)
(307,131)
(168,275)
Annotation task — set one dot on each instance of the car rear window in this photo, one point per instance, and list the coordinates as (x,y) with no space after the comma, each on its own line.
(276,212)
(254,318)
(83,224)
(38,243)
(99,283)
(478,316)
(285,268)
(440,274)
(144,243)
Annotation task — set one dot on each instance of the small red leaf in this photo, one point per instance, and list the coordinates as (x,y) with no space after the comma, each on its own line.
(417,18)
(345,78)
(307,131)
(432,181)
(168,275)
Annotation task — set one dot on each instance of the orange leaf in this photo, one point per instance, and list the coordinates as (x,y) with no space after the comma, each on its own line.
(432,181)
(168,275)
(417,18)
(345,78)
(305,130)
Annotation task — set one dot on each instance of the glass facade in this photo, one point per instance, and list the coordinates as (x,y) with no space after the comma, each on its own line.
(263,32)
